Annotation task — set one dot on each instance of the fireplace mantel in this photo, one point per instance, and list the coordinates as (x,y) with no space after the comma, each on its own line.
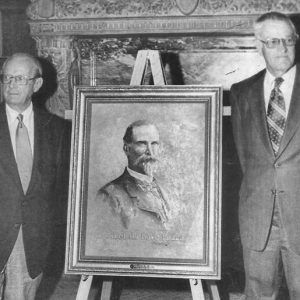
(66,31)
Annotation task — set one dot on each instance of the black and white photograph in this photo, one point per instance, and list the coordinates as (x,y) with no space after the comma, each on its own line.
(149,149)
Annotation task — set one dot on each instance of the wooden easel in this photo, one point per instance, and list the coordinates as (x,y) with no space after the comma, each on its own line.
(144,58)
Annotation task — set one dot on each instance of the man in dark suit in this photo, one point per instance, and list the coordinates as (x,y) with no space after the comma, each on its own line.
(33,165)
(266,127)
(136,196)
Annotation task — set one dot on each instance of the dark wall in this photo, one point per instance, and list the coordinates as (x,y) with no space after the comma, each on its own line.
(15,29)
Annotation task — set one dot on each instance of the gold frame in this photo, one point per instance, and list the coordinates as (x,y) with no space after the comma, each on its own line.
(93,104)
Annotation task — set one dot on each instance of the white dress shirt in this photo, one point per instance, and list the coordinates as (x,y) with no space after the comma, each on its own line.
(140,176)
(13,124)
(286,87)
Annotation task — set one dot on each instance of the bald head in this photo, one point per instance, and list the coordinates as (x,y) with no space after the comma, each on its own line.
(129,131)
(33,63)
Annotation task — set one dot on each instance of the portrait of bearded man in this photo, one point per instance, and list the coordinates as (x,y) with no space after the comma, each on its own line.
(137,196)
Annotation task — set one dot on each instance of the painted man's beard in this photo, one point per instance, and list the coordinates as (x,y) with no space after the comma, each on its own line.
(148,164)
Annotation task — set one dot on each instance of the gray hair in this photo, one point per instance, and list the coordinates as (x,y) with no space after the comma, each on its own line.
(275,16)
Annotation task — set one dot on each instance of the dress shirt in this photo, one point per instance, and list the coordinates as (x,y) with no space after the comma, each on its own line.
(286,87)
(12,120)
(140,176)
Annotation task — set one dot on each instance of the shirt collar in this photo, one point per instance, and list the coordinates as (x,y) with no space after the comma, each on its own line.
(140,176)
(287,77)
(13,114)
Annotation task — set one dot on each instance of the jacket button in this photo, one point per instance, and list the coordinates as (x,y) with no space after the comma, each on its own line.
(277,165)
(24,203)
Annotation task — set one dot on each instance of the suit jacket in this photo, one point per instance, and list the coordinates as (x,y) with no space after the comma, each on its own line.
(47,189)
(127,199)
(266,176)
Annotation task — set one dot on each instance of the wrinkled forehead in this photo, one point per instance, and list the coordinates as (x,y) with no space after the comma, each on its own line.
(147,132)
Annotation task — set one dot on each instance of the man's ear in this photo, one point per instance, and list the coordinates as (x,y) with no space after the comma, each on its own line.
(125,148)
(259,46)
(37,84)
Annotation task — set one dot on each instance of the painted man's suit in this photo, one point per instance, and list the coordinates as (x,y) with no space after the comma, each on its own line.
(47,189)
(129,199)
(266,176)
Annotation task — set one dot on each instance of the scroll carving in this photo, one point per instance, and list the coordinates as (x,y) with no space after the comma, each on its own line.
(70,9)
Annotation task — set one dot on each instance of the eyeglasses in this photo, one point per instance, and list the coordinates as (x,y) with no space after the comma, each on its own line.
(19,79)
(275,42)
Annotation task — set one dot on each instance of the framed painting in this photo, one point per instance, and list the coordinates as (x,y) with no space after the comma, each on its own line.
(145,182)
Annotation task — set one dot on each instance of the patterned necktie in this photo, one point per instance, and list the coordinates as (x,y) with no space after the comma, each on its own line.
(276,115)
(23,153)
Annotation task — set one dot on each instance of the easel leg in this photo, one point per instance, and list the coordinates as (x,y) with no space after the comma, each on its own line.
(84,287)
(106,290)
(213,289)
(197,289)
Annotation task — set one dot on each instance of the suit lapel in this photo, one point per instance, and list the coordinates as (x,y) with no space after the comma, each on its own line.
(257,107)
(131,188)
(7,157)
(293,119)
(40,121)
(137,195)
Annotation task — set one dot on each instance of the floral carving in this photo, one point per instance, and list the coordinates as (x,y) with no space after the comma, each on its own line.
(93,8)
(247,6)
(69,9)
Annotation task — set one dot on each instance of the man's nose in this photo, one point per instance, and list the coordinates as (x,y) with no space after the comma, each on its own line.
(149,149)
(282,45)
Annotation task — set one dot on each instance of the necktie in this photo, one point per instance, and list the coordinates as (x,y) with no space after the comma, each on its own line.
(23,153)
(276,115)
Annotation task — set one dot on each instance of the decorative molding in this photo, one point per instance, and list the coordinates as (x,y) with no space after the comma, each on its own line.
(187,6)
(46,8)
(70,9)
(59,51)
(74,9)
(68,31)
(237,24)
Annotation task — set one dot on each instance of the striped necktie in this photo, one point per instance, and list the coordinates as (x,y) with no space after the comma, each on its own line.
(276,115)
(23,153)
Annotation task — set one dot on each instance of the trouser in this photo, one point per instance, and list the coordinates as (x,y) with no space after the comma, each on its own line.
(264,269)
(16,284)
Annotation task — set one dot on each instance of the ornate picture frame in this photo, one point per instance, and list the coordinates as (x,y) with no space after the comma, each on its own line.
(110,229)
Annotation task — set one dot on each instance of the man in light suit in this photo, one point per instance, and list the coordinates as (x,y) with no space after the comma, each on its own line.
(33,166)
(136,196)
(266,127)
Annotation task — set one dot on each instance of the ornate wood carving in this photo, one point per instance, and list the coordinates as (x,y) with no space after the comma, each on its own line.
(166,25)
(59,51)
(71,9)
(187,6)
(171,25)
